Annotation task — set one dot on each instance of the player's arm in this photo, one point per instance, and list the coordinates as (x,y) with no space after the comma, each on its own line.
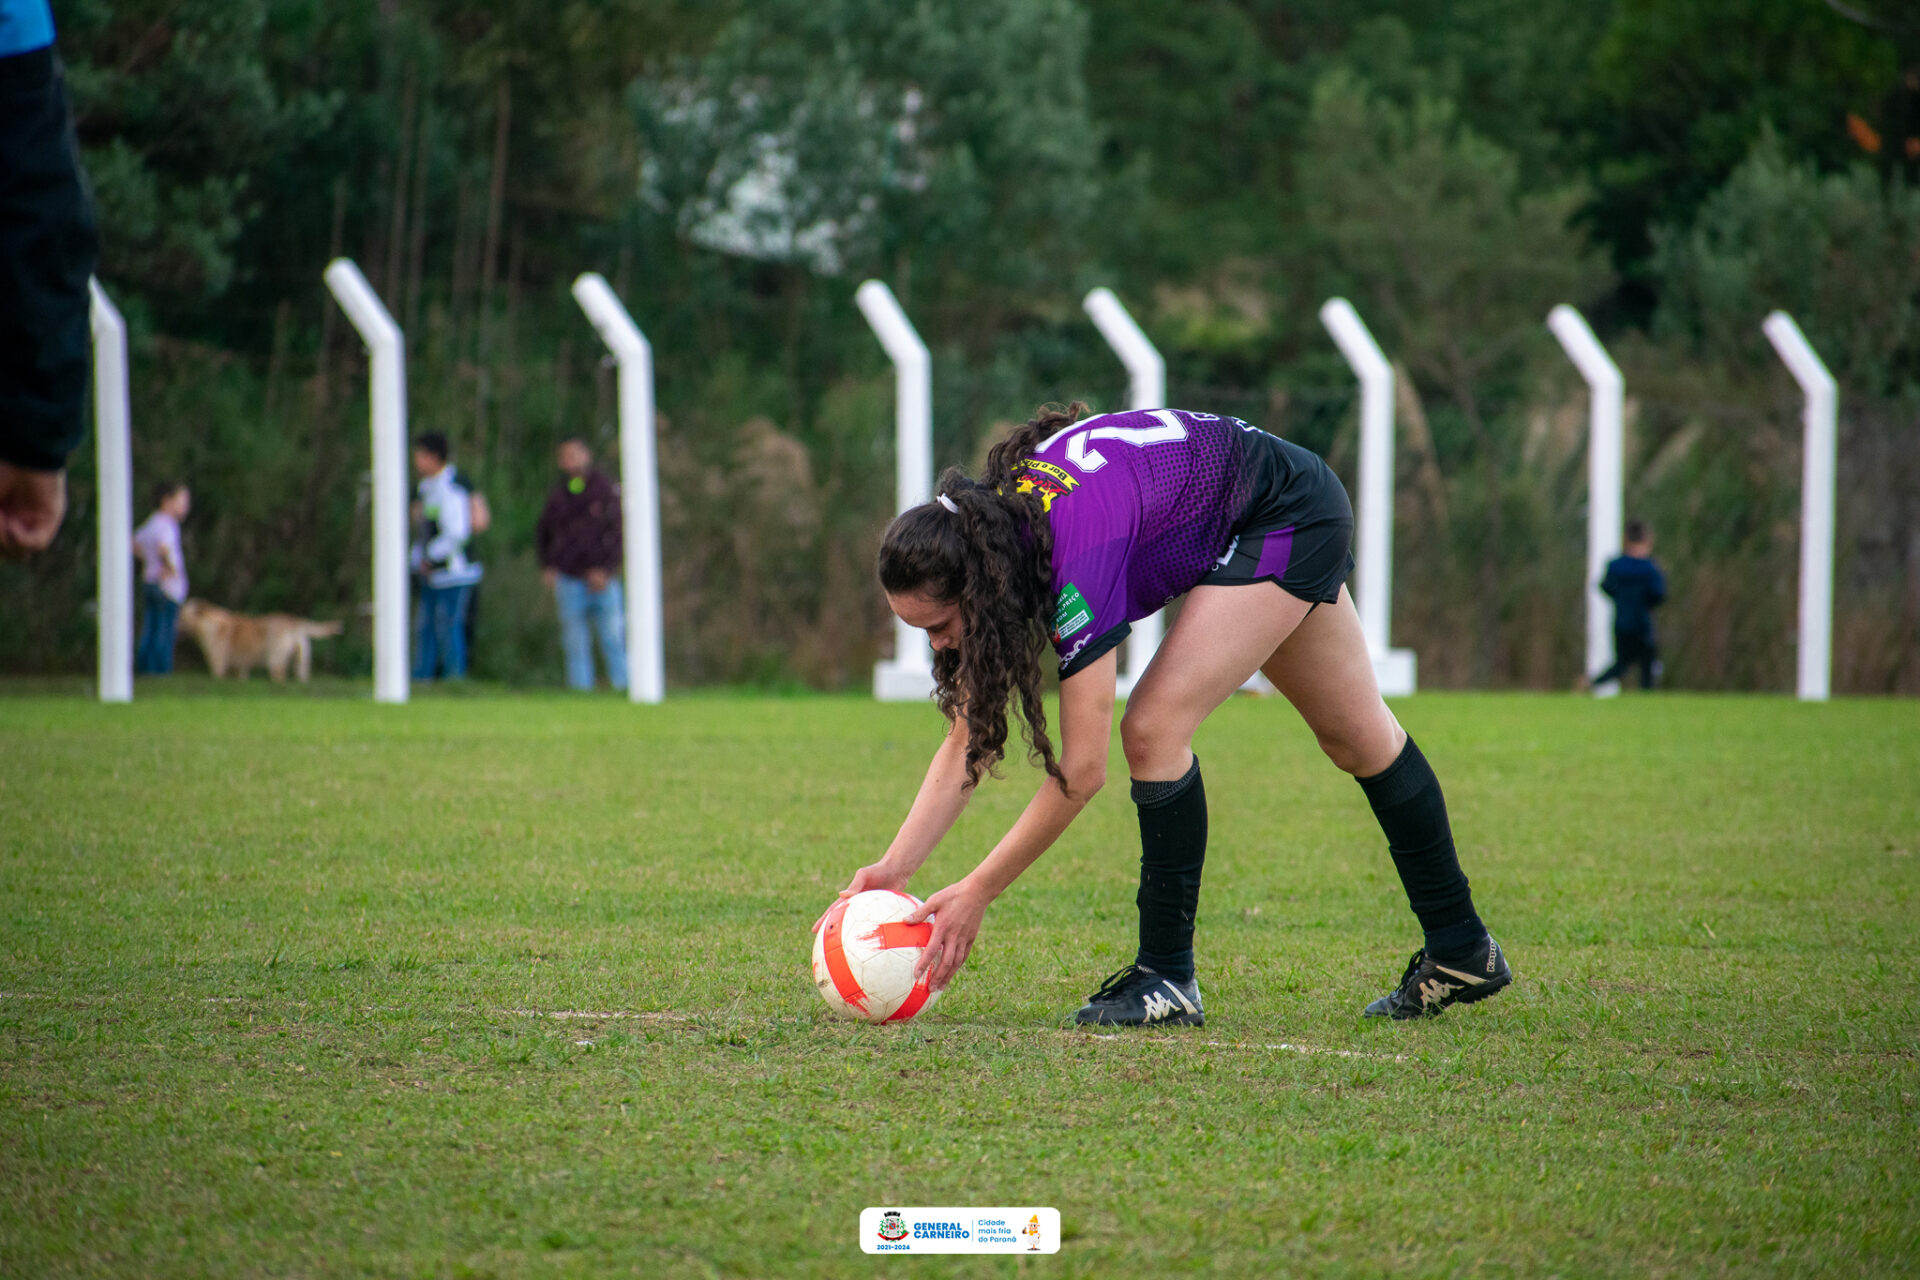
(1086,734)
(943,795)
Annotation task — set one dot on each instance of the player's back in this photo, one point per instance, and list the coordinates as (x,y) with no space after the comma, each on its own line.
(1145,498)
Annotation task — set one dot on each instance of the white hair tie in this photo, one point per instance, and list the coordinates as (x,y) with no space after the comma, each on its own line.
(947,502)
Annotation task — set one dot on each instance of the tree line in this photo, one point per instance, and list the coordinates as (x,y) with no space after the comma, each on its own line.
(1676,168)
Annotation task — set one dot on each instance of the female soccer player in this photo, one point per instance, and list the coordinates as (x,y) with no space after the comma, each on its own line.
(1080,527)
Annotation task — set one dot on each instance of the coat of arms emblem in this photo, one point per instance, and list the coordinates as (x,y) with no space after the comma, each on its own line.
(892,1225)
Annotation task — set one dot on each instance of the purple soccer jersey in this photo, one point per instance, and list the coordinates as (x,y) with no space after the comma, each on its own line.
(1142,504)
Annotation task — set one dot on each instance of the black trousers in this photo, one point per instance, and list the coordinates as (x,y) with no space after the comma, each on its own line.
(1633,649)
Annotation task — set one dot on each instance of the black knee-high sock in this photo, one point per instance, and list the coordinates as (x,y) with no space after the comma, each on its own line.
(1173,848)
(1407,801)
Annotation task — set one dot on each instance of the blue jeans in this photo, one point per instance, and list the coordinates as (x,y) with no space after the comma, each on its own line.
(440,632)
(153,653)
(605,613)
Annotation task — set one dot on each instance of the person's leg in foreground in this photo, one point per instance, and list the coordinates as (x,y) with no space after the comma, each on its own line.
(1324,670)
(1219,639)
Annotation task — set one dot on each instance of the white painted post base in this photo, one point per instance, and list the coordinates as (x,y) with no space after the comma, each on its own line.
(901,682)
(1394,672)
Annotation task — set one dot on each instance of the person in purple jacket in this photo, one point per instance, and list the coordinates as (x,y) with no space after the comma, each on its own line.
(1080,527)
(579,542)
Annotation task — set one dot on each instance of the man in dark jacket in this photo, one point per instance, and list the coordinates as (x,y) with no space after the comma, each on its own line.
(579,542)
(48,245)
(1637,587)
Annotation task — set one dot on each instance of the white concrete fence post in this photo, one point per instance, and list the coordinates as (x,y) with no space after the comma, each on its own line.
(1817,479)
(113,440)
(1393,669)
(908,675)
(639,485)
(1146,389)
(387,414)
(1605,475)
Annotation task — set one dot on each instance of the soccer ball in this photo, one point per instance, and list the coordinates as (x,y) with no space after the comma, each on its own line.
(864,954)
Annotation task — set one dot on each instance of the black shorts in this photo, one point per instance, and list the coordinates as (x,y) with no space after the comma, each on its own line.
(1297,529)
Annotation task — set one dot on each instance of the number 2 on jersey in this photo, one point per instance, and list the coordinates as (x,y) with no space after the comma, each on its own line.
(1082,454)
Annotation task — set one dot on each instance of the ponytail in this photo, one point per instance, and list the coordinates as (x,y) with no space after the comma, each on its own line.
(991,553)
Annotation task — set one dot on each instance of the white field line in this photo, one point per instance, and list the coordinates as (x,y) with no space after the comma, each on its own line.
(618,1015)
(1277,1048)
(1310,1049)
(590,1015)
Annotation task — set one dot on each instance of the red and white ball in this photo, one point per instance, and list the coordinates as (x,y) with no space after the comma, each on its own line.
(864,954)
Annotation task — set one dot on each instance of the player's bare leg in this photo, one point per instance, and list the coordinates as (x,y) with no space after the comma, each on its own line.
(1220,638)
(1323,669)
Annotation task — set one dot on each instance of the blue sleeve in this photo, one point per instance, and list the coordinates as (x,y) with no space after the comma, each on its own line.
(1656,584)
(25,25)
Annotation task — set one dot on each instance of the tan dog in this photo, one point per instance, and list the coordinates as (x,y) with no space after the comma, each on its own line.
(236,642)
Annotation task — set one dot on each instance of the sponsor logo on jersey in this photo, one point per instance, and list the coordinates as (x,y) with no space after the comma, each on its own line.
(1067,659)
(1047,480)
(1071,614)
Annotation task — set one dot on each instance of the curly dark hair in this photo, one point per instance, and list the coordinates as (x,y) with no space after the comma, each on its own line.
(994,558)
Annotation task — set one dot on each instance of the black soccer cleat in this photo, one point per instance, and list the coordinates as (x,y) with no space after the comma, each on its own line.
(1429,986)
(1137,996)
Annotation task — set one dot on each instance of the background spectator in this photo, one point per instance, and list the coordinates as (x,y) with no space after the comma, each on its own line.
(440,563)
(163,578)
(579,542)
(1638,588)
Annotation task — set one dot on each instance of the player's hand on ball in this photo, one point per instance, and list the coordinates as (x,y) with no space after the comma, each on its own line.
(956,911)
(877,876)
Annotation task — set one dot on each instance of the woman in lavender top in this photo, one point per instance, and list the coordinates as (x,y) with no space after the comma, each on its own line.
(1080,527)
(163,578)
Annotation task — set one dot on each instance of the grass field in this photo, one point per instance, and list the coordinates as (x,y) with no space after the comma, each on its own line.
(517,985)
